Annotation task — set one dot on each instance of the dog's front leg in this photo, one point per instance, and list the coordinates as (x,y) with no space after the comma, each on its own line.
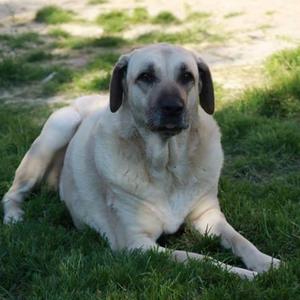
(213,222)
(145,243)
(56,134)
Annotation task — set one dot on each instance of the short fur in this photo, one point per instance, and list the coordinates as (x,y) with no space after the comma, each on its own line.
(128,181)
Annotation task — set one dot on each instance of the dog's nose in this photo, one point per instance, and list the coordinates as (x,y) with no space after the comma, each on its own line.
(174,107)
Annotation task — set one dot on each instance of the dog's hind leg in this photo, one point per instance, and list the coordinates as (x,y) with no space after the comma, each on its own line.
(55,136)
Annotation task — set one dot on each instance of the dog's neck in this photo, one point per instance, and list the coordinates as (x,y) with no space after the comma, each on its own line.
(166,154)
(163,154)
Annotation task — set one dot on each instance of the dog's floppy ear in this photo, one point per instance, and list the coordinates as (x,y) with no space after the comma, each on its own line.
(206,88)
(116,88)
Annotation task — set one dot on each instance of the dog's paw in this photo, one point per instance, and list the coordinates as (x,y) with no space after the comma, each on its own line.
(244,273)
(12,212)
(263,263)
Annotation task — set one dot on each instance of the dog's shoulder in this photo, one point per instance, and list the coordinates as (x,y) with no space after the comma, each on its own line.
(205,149)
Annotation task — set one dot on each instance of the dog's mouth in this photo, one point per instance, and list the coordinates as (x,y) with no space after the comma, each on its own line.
(170,129)
(167,125)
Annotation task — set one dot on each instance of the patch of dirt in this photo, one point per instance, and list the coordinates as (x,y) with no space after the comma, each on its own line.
(257,28)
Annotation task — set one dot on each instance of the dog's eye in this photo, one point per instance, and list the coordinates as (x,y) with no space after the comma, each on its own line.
(146,77)
(186,77)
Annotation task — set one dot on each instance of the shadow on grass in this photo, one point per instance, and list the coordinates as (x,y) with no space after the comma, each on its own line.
(47,256)
(259,190)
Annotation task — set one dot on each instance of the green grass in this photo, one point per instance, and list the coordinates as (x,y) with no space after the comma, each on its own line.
(54,15)
(165,17)
(97,1)
(105,41)
(58,33)
(28,58)
(115,21)
(21,40)
(197,16)
(19,71)
(45,257)
(118,21)
(38,55)
(233,14)
(16,71)
(29,69)
(189,36)
(140,15)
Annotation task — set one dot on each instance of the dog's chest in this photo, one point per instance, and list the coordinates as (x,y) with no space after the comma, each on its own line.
(159,205)
(154,199)
(172,210)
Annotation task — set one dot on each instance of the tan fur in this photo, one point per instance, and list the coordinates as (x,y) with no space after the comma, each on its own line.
(127,182)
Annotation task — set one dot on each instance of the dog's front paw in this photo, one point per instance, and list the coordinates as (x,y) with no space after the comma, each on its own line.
(13,216)
(243,273)
(262,263)
(12,212)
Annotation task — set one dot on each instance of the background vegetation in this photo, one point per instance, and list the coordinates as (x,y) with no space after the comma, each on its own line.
(45,257)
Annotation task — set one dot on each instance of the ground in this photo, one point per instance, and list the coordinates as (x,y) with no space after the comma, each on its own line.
(237,35)
(49,55)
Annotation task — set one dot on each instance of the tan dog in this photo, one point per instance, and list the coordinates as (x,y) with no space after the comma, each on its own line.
(146,165)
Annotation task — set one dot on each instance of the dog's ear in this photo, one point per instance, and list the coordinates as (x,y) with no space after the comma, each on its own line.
(206,88)
(116,88)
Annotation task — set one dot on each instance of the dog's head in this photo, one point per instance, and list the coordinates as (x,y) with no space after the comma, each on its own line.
(162,85)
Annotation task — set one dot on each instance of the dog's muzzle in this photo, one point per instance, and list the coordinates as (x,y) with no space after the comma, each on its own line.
(169,117)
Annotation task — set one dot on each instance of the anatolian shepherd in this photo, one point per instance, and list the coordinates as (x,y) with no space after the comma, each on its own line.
(142,165)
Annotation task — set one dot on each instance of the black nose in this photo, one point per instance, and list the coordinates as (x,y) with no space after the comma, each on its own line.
(172,107)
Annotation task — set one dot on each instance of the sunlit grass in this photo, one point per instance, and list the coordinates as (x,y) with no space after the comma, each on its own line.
(21,40)
(165,17)
(54,15)
(45,257)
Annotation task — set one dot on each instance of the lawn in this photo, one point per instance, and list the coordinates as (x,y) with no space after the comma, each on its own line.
(45,257)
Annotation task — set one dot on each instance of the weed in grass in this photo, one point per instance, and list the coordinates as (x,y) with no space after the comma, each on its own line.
(38,55)
(165,17)
(108,42)
(270,12)
(72,42)
(59,33)
(96,75)
(103,62)
(281,97)
(97,1)
(284,63)
(82,42)
(197,16)
(139,15)
(92,81)
(194,36)
(264,27)
(54,15)
(62,76)
(21,40)
(16,71)
(234,14)
(115,21)
(118,21)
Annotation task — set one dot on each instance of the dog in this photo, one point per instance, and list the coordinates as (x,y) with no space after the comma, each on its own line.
(142,163)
